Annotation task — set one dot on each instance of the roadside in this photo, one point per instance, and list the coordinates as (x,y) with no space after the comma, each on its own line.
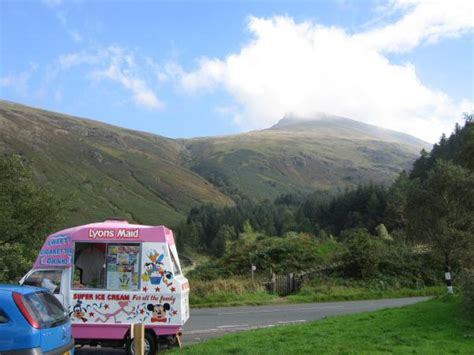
(208,323)
(243,292)
(436,326)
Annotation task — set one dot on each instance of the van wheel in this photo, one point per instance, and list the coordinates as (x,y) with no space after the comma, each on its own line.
(150,344)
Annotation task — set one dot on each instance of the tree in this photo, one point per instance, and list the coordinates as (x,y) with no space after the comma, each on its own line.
(439,211)
(382,233)
(226,233)
(27,213)
(361,258)
(395,217)
(458,148)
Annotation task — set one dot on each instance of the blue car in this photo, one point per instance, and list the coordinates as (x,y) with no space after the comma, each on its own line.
(33,321)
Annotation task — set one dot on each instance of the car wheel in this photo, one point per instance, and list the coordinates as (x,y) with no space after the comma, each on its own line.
(150,345)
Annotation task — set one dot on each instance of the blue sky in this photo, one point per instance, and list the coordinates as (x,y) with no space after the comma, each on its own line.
(201,68)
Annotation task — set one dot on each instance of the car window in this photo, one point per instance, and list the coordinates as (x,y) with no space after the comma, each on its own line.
(46,308)
(3,317)
(49,279)
(177,269)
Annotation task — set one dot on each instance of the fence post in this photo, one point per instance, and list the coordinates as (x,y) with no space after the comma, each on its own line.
(274,288)
(138,335)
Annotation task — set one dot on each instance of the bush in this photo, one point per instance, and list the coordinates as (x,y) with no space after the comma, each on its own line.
(467,286)
(402,266)
(362,256)
(290,253)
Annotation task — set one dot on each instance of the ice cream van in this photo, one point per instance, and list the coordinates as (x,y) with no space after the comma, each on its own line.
(113,274)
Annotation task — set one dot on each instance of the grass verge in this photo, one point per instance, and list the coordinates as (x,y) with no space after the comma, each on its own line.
(438,326)
(241,292)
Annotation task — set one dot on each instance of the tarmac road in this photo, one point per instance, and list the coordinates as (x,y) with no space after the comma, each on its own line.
(205,323)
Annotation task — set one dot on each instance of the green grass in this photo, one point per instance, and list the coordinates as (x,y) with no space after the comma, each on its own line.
(332,292)
(237,291)
(233,291)
(438,326)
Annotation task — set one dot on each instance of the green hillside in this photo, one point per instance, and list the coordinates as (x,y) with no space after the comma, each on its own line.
(302,155)
(103,170)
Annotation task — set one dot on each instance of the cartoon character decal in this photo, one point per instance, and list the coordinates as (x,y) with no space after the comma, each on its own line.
(154,271)
(78,312)
(105,313)
(158,312)
(125,281)
(167,277)
(147,273)
(122,312)
(151,268)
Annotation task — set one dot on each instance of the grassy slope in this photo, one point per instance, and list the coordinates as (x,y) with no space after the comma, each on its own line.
(109,171)
(240,291)
(304,156)
(105,170)
(434,327)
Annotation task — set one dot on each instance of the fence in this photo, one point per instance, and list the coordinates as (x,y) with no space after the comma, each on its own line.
(285,284)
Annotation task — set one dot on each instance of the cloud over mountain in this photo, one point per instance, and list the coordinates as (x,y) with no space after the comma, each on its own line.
(305,67)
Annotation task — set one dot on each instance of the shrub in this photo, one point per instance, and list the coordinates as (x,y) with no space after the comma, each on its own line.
(291,253)
(362,256)
(402,266)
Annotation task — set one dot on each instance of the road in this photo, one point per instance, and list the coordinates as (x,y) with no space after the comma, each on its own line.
(207,323)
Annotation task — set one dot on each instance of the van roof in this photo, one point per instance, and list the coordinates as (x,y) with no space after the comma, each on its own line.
(57,250)
(109,223)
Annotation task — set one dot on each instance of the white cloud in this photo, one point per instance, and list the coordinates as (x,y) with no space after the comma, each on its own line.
(95,57)
(427,21)
(61,15)
(116,64)
(306,68)
(159,72)
(142,94)
(19,82)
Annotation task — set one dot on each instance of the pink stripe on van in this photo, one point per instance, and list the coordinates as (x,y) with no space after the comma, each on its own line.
(115,331)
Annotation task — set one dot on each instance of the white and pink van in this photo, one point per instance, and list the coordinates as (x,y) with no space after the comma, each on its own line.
(113,274)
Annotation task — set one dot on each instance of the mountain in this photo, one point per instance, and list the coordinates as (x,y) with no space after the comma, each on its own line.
(105,170)
(303,154)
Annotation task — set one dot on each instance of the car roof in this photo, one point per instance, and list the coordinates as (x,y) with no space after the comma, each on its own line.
(19,288)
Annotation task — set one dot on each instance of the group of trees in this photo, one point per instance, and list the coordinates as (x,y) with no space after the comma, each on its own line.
(27,213)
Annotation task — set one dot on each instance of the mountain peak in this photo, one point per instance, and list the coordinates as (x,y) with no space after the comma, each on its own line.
(293,121)
(331,125)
